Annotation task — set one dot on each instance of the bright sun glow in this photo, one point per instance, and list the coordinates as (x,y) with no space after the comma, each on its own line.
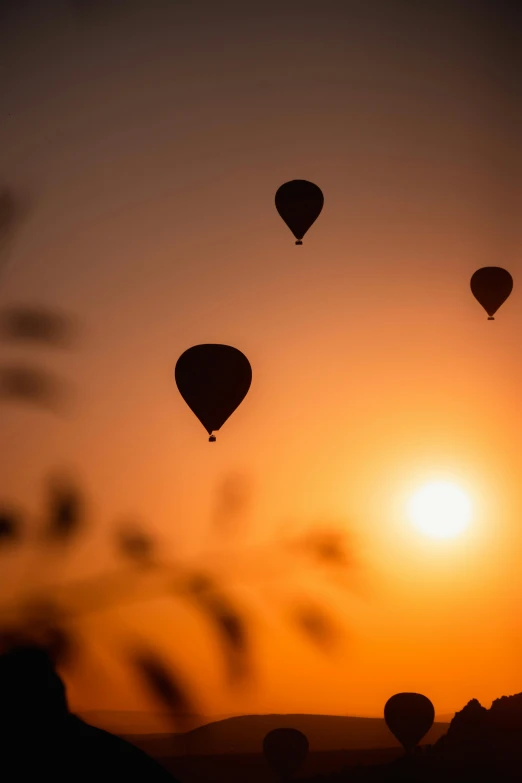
(440,510)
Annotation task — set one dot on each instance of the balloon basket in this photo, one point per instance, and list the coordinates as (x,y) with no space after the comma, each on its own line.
(491,318)
(298,242)
(212,439)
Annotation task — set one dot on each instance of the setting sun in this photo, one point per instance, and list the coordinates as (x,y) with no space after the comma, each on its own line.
(440,510)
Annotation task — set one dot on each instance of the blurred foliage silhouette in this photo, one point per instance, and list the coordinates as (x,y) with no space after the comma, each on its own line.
(317,624)
(65,512)
(24,384)
(37,324)
(166,688)
(232,503)
(229,625)
(135,545)
(326,546)
(10,527)
(51,615)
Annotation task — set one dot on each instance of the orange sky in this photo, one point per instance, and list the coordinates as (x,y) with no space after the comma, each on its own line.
(150,138)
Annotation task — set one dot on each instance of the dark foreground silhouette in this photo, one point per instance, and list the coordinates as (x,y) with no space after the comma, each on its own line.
(478,745)
(41,740)
(481,746)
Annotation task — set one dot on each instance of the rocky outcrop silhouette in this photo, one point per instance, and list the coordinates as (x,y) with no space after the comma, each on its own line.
(477,730)
(481,744)
(467,729)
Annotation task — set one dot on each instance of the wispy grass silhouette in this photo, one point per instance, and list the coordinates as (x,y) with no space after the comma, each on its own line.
(37,325)
(52,615)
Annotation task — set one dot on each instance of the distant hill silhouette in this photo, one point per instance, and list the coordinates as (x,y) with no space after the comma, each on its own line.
(245,734)
(125,722)
(445,717)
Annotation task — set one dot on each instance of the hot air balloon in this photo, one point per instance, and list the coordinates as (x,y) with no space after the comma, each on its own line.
(213,380)
(491,286)
(285,750)
(299,203)
(409,716)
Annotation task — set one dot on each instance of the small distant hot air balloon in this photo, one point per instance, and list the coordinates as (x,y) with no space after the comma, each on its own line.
(409,716)
(299,203)
(491,286)
(213,380)
(285,750)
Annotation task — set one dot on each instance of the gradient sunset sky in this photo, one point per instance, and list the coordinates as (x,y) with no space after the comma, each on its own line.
(149,138)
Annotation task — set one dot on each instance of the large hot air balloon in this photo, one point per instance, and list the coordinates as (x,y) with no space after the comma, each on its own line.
(299,203)
(285,750)
(491,286)
(409,716)
(213,380)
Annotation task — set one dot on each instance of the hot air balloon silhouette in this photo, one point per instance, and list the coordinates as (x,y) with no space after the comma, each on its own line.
(299,203)
(491,286)
(213,380)
(409,716)
(285,750)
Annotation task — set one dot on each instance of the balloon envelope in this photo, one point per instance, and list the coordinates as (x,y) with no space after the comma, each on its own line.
(213,380)
(299,203)
(409,716)
(285,750)
(491,286)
